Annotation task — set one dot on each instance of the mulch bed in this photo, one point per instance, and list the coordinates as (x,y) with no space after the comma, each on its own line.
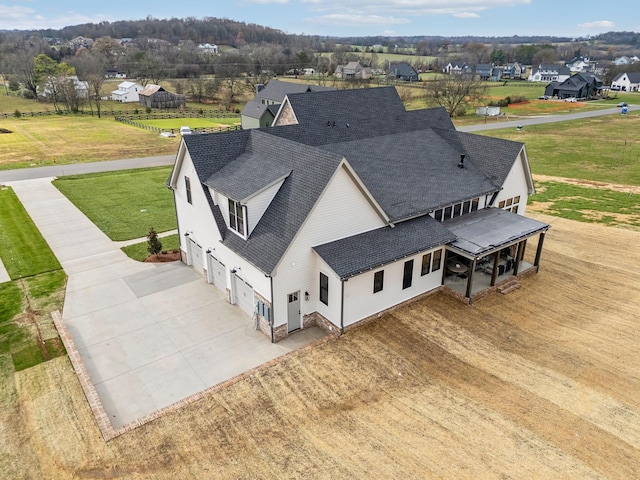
(170,256)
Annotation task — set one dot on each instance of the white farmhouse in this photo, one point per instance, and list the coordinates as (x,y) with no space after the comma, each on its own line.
(349,206)
(126,92)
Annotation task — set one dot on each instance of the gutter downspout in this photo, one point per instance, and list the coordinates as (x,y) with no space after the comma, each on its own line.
(272,317)
(342,307)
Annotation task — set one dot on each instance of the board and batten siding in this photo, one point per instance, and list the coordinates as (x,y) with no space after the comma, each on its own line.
(360,302)
(515,185)
(341,211)
(195,217)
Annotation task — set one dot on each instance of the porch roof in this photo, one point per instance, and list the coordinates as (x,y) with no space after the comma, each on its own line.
(360,253)
(489,229)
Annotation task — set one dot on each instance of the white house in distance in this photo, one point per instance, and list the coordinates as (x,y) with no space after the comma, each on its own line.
(126,92)
(350,205)
(549,73)
(626,82)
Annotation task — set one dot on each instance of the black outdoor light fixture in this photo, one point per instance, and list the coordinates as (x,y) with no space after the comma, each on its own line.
(306,296)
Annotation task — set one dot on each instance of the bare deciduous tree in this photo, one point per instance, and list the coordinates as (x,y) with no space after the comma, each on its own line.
(453,92)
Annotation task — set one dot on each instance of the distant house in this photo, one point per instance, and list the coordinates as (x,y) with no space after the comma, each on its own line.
(514,71)
(261,111)
(624,60)
(54,86)
(626,82)
(115,74)
(403,72)
(578,64)
(154,96)
(353,71)
(549,73)
(208,48)
(580,85)
(126,92)
(457,68)
(483,71)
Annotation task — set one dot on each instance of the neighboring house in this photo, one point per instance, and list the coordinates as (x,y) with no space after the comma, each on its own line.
(626,82)
(483,71)
(80,86)
(549,73)
(349,206)
(403,72)
(155,96)
(514,71)
(115,74)
(624,60)
(261,111)
(353,71)
(457,68)
(126,92)
(210,48)
(578,64)
(580,85)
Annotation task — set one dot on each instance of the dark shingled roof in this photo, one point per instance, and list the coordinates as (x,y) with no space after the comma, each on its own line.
(275,91)
(247,175)
(488,229)
(360,253)
(311,169)
(413,173)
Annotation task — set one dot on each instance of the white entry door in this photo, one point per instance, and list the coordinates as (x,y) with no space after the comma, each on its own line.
(293,312)
(243,294)
(217,274)
(195,256)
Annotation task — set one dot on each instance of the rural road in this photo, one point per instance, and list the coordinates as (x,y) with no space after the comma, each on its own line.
(107,166)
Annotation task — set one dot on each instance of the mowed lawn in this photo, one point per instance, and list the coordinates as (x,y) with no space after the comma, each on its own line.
(124,204)
(27,335)
(63,139)
(602,149)
(176,123)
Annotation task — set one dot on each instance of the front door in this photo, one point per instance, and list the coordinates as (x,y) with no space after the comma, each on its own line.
(293,312)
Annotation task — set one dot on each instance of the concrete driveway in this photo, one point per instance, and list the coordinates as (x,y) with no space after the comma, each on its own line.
(149,335)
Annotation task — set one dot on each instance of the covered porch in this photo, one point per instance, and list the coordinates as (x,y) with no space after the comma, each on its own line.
(489,250)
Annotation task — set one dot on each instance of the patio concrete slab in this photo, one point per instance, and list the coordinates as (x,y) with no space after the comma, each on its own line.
(149,335)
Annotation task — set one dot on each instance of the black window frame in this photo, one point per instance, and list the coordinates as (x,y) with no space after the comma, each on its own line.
(378,281)
(187,186)
(407,274)
(436,262)
(425,269)
(324,289)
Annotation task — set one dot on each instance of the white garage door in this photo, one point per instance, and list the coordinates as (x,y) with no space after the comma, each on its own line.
(243,295)
(195,256)
(217,274)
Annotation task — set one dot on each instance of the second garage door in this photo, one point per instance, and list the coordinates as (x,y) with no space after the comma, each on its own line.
(243,295)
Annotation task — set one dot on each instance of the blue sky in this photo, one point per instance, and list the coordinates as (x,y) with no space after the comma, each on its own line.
(347,17)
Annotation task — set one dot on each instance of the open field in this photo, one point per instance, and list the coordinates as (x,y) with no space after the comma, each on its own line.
(123,204)
(73,139)
(541,383)
(602,149)
(176,123)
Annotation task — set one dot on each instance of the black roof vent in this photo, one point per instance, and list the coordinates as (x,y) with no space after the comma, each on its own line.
(461,164)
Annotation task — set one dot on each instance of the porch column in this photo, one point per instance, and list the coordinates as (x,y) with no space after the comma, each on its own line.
(494,273)
(536,262)
(471,271)
(519,256)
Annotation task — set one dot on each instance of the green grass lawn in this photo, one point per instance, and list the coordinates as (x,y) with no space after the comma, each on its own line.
(139,251)
(585,204)
(23,250)
(603,149)
(124,204)
(176,123)
(26,330)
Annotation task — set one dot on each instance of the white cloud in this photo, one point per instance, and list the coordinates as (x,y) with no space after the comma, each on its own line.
(596,24)
(466,15)
(408,7)
(24,18)
(346,19)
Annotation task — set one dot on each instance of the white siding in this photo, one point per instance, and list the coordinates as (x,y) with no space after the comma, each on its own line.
(332,310)
(257,205)
(341,211)
(515,185)
(195,218)
(360,301)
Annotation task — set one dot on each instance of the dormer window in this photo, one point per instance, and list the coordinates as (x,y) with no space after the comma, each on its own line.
(237,216)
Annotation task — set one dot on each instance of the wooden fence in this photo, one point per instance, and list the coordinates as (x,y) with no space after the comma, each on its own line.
(132,121)
(187,112)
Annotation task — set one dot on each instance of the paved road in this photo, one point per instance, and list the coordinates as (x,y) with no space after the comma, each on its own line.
(112,165)
(92,167)
(493,125)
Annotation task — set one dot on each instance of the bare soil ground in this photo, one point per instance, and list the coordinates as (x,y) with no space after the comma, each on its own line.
(541,383)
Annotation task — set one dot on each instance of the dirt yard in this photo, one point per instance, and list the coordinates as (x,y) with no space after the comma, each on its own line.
(541,383)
